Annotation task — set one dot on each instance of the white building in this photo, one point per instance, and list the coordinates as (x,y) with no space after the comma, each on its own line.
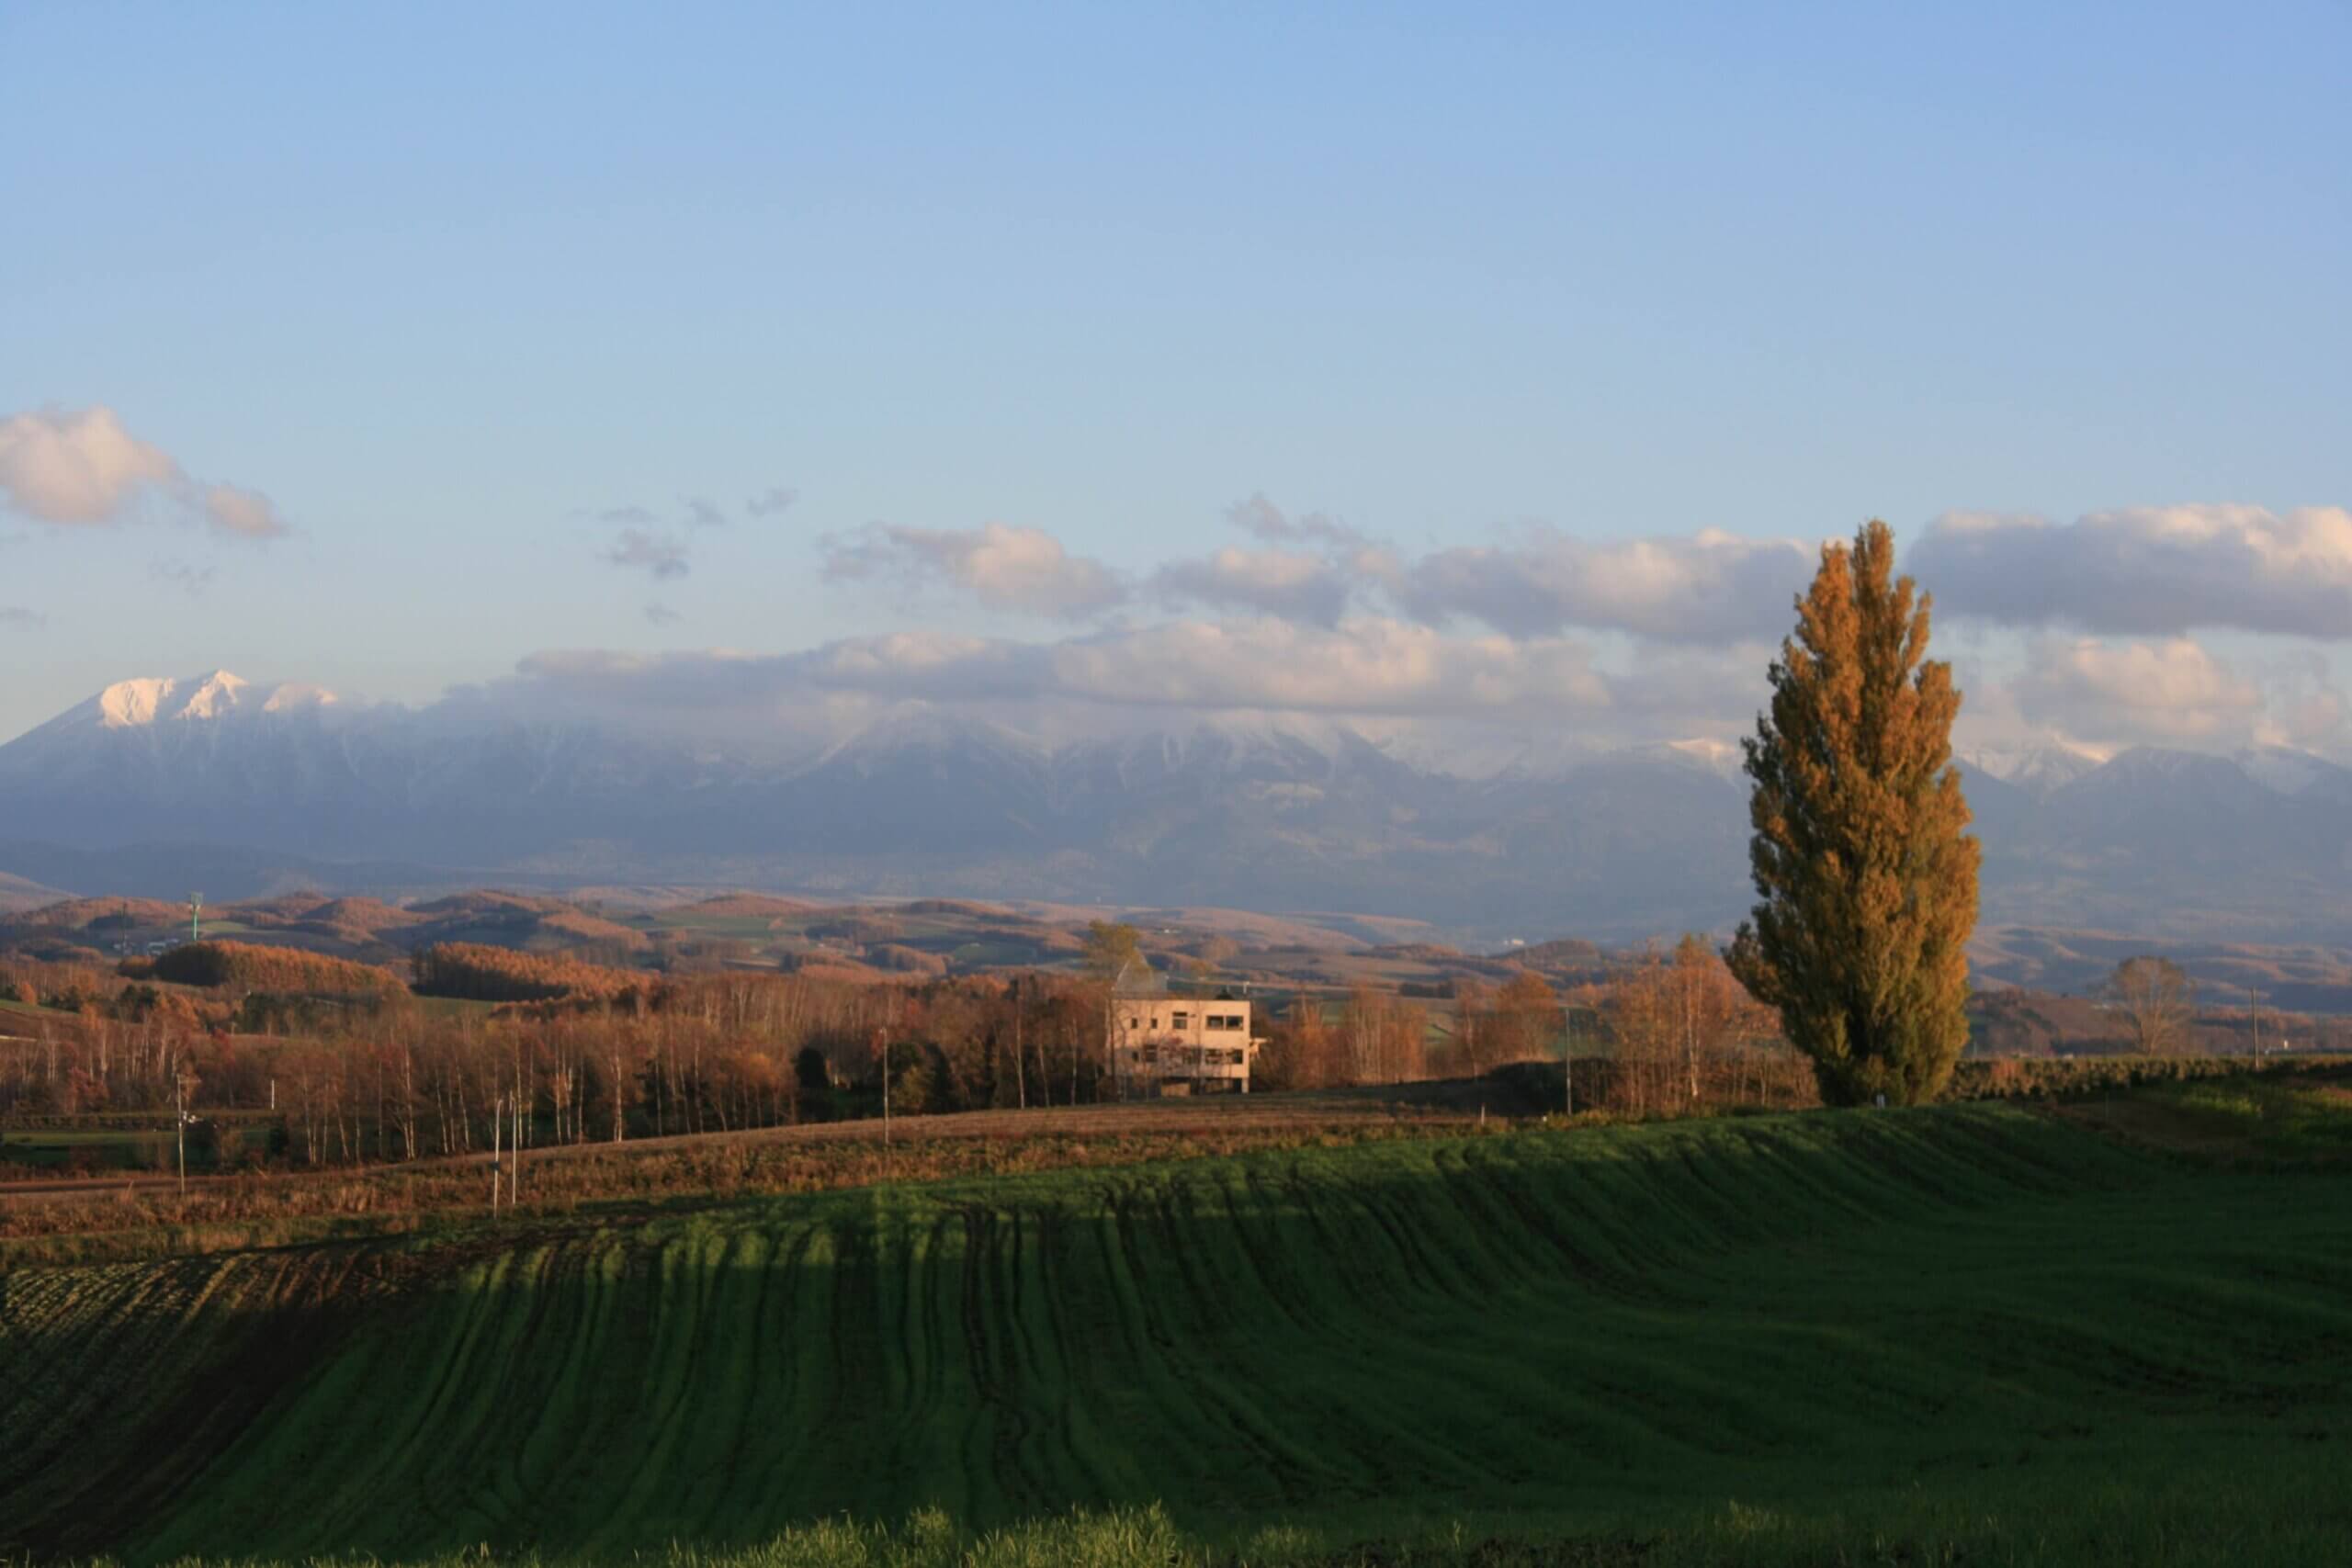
(1163,1043)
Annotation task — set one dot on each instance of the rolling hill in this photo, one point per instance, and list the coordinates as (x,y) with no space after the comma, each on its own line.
(1957,1314)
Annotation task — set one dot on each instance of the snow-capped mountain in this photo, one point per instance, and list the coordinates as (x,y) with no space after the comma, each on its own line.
(2040,770)
(2283,770)
(147,742)
(165,709)
(1248,813)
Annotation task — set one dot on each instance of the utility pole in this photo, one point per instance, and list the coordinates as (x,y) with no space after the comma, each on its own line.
(2254,1017)
(180,1107)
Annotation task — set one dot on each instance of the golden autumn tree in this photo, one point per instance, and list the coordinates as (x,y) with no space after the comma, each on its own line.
(1865,877)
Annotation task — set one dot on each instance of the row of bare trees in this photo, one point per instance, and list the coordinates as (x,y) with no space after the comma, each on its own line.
(1686,1035)
(717,1054)
(731,1052)
(1674,1032)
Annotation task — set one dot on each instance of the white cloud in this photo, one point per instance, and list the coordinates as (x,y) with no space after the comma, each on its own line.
(1288,583)
(2168,693)
(1694,691)
(2302,704)
(1370,668)
(660,555)
(247,513)
(643,542)
(1709,587)
(17,616)
(772,502)
(184,574)
(2146,571)
(84,469)
(77,468)
(926,666)
(1004,567)
(1264,520)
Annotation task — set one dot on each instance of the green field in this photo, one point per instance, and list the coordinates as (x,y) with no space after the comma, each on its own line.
(1971,1333)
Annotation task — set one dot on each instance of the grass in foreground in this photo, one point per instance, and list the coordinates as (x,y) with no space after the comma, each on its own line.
(1964,1333)
(2264,1525)
(2277,1119)
(585,1185)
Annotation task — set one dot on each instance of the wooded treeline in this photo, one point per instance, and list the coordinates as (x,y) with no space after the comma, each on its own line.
(479,972)
(1677,1033)
(387,1079)
(707,1055)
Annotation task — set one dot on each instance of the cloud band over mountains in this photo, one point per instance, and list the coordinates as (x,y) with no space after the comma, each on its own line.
(1630,639)
(2200,623)
(2148,571)
(1368,668)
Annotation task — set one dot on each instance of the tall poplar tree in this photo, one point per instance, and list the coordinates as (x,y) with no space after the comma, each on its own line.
(1865,877)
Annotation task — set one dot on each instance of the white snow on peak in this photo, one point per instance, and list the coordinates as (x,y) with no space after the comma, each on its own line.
(1698,754)
(130,704)
(2039,769)
(1722,756)
(297,697)
(1485,755)
(1255,735)
(213,697)
(1448,755)
(920,726)
(2284,769)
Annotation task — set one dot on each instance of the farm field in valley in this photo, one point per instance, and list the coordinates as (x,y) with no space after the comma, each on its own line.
(1752,1336)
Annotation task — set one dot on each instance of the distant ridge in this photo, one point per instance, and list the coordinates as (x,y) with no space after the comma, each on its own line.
(159,785)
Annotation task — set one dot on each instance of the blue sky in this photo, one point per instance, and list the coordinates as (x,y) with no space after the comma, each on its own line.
(454,291)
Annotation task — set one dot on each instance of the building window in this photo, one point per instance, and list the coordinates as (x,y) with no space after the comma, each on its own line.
(1182,1021)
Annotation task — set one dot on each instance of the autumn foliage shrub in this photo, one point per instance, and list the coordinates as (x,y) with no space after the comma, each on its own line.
(477,973)
(249,966)
(2044,1077)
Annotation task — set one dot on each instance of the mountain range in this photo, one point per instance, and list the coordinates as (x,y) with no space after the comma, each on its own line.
(154,783)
